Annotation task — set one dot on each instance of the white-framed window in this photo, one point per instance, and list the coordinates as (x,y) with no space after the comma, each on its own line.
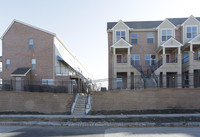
(166,34)
(150,59)
(135,59)
(120,34)
(33,63)
(134,38)
(30,44)
(47,82)
(191,31)
(150,38)
(7,63)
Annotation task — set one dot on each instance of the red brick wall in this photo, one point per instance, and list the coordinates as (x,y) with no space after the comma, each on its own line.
(15,46)
(35,102)
(146,99)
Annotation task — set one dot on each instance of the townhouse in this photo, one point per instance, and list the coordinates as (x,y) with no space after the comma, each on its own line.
(154,54)
(33,56)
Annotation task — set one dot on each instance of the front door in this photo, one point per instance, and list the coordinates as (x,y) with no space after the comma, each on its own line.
(18,83)
(167,58)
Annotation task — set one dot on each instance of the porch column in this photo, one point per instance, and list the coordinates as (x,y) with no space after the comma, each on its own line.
(114,81)
(164,56)
(164,77)
(128,80)
(191,69)
(191,77)
(114,51)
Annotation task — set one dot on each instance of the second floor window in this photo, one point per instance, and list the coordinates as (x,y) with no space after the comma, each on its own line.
(120,34)
(191,32)
(150,59)
(166,34)
(134,38)
(30,44)
(33,63)
(150,38)
(7,63)
(135,60)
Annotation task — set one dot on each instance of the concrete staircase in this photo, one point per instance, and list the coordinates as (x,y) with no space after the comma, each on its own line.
(149,83)
(79,108)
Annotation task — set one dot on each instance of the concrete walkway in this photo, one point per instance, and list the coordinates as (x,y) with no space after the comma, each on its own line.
(99,116)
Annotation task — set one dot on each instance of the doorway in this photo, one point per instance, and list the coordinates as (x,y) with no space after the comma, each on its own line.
(18,83)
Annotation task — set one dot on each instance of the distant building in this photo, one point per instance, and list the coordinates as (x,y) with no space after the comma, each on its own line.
(156,53)
(33,54)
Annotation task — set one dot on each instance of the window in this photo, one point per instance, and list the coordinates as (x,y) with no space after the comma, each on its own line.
(199,55)
(191,31)
(47,82)
(135,60)
(30,44)
(121,59)
(150,38)
(33,63)
(119,35)
(7,63)
(166,34)
(150,59)
(134,38)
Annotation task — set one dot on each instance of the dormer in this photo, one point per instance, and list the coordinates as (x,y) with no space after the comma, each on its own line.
(166,30)
(120,30)
(190,29)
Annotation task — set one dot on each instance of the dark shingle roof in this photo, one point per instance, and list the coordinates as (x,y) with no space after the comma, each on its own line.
(148,24)
(21,71)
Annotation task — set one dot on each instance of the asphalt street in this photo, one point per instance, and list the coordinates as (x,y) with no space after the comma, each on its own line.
(62,131)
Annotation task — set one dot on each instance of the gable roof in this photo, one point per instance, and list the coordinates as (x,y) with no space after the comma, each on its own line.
(128,45)
(26,25)
(149,24)
(172,39)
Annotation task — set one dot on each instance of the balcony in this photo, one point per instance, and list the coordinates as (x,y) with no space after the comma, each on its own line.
(171,59)
(121,59)
(196,56)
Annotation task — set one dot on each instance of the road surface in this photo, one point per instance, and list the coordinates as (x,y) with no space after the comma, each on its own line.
(61,131)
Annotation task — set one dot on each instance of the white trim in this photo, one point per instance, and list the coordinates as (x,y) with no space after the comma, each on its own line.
(167,21)
(190,42)
(172,38)
(20,75)
(26,25)
(120,21)
(122,46)
(191,16)
(191,31)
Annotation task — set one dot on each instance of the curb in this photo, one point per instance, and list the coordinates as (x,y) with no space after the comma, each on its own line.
(101,124)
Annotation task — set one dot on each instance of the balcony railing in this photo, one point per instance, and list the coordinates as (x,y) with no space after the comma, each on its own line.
(62,71)
(171,60)
(122,60)
(196,56)
(185,60)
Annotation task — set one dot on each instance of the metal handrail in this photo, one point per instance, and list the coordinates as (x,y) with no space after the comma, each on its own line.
(185,60)
(157,65)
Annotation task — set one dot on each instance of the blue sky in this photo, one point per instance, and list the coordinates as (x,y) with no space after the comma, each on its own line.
(81,24)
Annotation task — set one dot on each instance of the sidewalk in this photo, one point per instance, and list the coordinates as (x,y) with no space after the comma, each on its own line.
(144,120)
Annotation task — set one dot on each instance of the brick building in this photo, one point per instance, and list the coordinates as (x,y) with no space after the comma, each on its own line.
(33,54)
(154,53)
